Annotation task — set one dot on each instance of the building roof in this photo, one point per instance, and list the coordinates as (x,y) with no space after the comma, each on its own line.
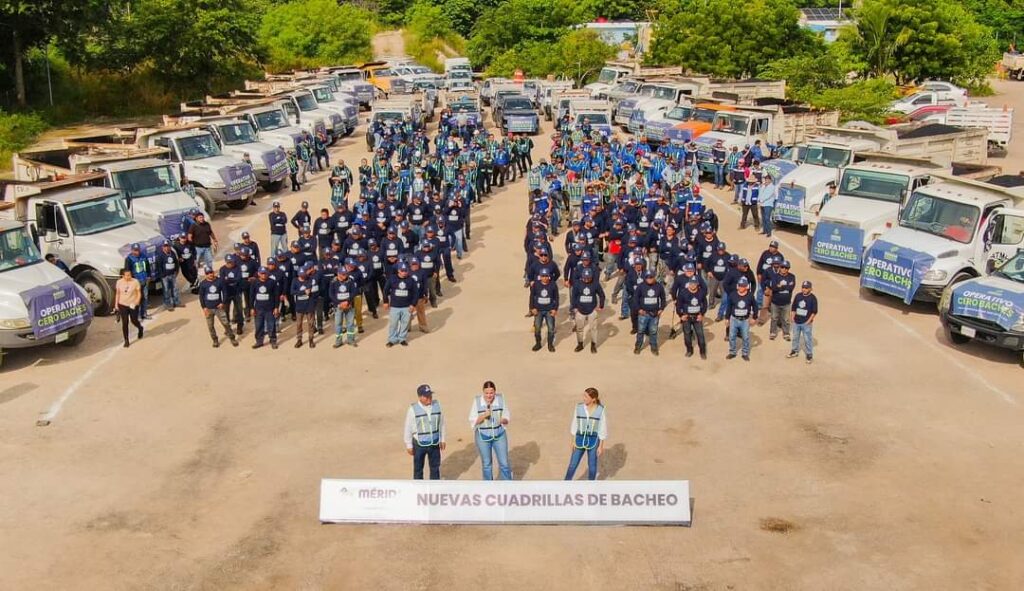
(822,14)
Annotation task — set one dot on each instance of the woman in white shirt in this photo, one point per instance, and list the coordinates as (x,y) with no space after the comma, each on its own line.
(589,429)
(488,417)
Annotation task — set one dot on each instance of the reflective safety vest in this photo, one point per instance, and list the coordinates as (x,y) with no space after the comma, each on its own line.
(587,426)
(491,428)
(428,424)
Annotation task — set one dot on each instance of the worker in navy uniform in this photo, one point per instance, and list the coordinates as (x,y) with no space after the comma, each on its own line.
(544,307)
(420,277)
(589,430)
(424,433)
(323,230)
(278,229)
(400,295)
(265,294)
(779,295)
(342,292)
(489,417)
(649,300)
(718,156)
(805,310)
(764,268)
(233,286)
(254,248)
(742,311)
(167,265)
(634,277)
(247,266)
(586,299)
(287,274)
(212,295)
(305,290)
(691,306)
(187,260)
(718,264)
(302,217)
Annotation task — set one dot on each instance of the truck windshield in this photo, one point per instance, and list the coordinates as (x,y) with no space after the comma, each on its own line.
(628,86)
(941,217)
(146,182)
(704,115)
(323,95)
(349,76)
(98,215)
(1012,269)
(392,116)
(879,186)
(460,75)
(270,120)
(679,114)
(517,104)
(730,123)
(664,93)
(197,147)
(607,75)
(17,249)
(593,118)
(306,102)
(823,156)
(237,134)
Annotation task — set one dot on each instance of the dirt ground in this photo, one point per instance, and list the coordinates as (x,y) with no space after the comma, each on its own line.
(893,462)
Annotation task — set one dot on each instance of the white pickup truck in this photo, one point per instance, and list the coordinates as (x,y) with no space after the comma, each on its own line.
(949,231)
(150,185)
(821,159)
(88,227)
(39,303)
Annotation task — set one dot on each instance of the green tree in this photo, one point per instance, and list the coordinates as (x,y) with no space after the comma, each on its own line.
(728,38)
(876,35)
(513,22)
(1004,17)
(865,100)
(615,10)
(580,54)
(311,33)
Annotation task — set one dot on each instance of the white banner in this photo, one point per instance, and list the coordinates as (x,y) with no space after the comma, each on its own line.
(586,502)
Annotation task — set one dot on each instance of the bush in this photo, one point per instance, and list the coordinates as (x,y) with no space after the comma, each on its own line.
(864,100)
(428,34)
(17,132)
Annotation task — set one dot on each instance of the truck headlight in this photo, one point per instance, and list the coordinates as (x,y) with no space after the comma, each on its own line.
(15,323)
(1019,327)
(935,275)
(811,226)
(944,300)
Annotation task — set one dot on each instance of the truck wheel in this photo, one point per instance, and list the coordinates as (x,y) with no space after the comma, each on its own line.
(274,187)
(238,204)
(100,295)
(75,339)
(208,203)
(957,338)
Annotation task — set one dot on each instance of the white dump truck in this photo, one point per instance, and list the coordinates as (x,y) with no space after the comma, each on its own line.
(150,185)
(88,227)
(597,113)
(298,102)
(949,231)
(822,157)
(615,71)
(39,303)
(351,78)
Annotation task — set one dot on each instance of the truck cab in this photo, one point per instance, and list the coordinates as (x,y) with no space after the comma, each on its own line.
(597,113)
(988,309)
(334,123)
(328,100)
(216,177)
(272,125)
(608,78)
(514,113)
(238,138)
(39,303)
(548,88)
(948,232)
(378,74)
(867,202)
(652,95)
(88,227)
(488,87)
(682,124)
(351,78)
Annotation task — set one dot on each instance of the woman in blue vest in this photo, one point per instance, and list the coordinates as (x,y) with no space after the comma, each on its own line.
(589,430)
(488,417)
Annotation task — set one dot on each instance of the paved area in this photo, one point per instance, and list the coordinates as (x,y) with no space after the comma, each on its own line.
(893,462)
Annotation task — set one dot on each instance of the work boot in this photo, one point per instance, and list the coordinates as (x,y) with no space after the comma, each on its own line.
(551,343)
(216,343)
(654,350)
(746,358)
(140,332)
(703,354)
(257,345)
(298,343)
(689,352)
(593,347)
(338,343)
(312,345)
(792,354)
(636,350)
(273,344)
(731,356)
(234,342)
(579,346)
(672,334)
(536,342)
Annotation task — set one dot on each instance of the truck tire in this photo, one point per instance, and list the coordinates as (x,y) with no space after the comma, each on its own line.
(274,187)
(208,204)
(99,292)
(956,338)
(75,339)
(238,204)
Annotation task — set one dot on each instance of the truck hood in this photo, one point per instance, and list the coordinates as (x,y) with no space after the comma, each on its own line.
(519,113)
(285,137)
(15,281)
(152,207)
(811,177)
(729,139)
(106,251)
(994,299)
(211,166)
(858,212)
(922,241)
(256,151)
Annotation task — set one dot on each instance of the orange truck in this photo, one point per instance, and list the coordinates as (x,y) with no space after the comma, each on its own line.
(378,74)
(684,123)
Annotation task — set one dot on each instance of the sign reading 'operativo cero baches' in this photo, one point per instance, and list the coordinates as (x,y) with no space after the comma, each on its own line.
(583,502)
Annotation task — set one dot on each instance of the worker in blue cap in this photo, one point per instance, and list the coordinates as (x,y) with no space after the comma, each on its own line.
(265,295)
(742,310)
(648,301)
(424,433)
(342,292)
(544,307)
(400,294)
(805,310)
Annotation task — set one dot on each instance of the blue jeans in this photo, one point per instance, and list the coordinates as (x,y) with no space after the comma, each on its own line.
(170,285)
(741,327)
(719,175)
(766,219)
(555,220)
(542,319)
(574,462)
(724,305)
(456,238)
(624,308)
(398,325)
(345,323)
(430,453)
(499,447)
(204,257)
(647,324)
(738,188)
(804,332)
(278,243)
(759,296)
(266,325)
(144,306)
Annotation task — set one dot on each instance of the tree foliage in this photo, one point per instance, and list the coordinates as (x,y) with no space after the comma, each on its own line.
(518,22)
(311,33)
(579,54)
(919,39)
(728,38)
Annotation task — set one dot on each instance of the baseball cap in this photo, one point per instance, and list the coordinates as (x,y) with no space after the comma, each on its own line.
(807,284)
(276,204)
(648,274)
(744,282)
(208,270)
(720,246)
(245,234)
(271,261)
(230,258)
(136,246)
(773,244)
(262,270)
(785,264)
(424,390)
(545,272)
(744,262)
(305,204)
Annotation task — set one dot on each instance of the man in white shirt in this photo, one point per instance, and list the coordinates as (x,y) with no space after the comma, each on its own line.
(424,433)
